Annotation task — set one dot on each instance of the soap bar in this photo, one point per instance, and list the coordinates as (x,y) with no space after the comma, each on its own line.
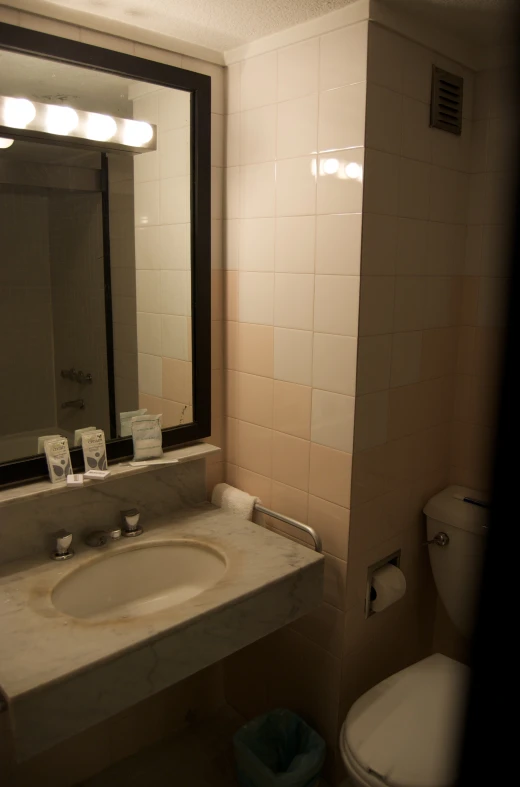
(97,473)
(75,479)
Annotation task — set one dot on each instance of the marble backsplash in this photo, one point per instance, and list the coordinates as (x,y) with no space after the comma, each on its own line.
(27,525)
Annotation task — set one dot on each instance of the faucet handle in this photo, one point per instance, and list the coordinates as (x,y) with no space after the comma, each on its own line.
(131,523)
(62,550)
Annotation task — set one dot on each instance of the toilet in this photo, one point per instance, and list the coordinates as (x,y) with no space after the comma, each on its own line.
(405,732)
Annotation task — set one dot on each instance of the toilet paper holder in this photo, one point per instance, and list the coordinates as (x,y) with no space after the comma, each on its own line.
(395,560)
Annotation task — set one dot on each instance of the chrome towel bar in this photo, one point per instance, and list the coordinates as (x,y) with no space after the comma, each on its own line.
(294,522)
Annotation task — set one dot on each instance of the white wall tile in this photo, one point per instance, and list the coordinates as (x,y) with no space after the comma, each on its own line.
(147,247)
(343,56)
(256,298)
(381,183)
(258,81)
(416,140)
(233,74)
(257,190)
(146,166)
(148,285)
(173,247)
(295,243)
(231,244)
(449,195)
(146,204)
(373,363)
(297,130)
(410,302)
(174,109)
(414,189)
(232,180)
(332,420)
(218,125)
(342,117)
(384,117)
(371,420)
(385,57)
(233,140)
(150,374)
(174,153)
(149,333)
(406,358)
(174,200)
(376,305)
(217,193)
(296,187)
(417,71)
(293,356)
(257,244)
(341,191)
(298,68)
(336,305)
(173,292)
(380,235)
(258,135)
(334,363)
(338,244)
(174,337)
(294,300)
(412,247)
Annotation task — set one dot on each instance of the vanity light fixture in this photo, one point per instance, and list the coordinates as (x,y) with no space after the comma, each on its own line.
(32,119)
(5,143)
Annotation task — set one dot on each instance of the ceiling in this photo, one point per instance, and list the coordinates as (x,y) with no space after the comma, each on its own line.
(222,25)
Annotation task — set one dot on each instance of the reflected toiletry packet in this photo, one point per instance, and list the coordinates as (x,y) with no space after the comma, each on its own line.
(75,479)
(125,420)
(58,459)
(147,437)
(94,450)
(78,434)
(42,440)
(99,474)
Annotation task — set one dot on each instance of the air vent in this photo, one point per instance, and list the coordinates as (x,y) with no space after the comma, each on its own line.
(446,106)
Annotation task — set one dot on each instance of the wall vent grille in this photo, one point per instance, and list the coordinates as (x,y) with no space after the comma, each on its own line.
(446,103)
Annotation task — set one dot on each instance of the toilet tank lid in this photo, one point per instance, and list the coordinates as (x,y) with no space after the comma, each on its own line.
(449,507)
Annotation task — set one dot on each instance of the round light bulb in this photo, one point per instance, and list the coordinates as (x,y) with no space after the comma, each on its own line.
(18,112)
(60,120)
(330,166)
(353,170)
(5,143)
(100,127)
(137,133)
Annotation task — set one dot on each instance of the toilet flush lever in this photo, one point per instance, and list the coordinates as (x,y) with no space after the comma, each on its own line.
(441,539)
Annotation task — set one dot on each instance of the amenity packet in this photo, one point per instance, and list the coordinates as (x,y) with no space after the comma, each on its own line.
(147,437)
(94,450)
(125,421)
(43,439)
(58,459)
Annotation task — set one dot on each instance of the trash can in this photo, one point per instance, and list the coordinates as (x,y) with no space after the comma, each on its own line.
(278,750)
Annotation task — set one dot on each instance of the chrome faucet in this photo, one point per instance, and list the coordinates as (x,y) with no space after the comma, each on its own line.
(131,523)
(62,550)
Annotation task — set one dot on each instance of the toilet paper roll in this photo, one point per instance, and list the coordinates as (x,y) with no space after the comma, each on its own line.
(388,586)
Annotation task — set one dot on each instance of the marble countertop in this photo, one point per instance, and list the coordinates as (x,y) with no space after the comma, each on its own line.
(41,648)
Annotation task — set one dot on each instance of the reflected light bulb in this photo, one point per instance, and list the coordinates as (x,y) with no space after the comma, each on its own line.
(100,127)
(353,170)
(331,166)
(18,112)
(137,133)
(5,143)
(60,120)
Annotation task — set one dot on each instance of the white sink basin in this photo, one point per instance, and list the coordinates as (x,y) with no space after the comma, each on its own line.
(139,580)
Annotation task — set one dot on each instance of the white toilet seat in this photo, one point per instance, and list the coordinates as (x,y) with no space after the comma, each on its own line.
(404,732)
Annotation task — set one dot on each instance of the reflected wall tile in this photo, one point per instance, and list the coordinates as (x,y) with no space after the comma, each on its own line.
(149,333)
(150,374)
(174,337)
(177,380)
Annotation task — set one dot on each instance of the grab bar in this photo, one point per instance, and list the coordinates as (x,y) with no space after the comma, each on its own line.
(294,522)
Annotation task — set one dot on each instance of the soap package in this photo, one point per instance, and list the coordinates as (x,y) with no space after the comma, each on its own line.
(94,450)
(78,434)
(147,437)
(125,421)
(58,459)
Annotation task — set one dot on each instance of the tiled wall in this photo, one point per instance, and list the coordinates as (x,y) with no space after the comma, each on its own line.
(78,306)
(162,221)
(294,187)
(27,400)
(492,159)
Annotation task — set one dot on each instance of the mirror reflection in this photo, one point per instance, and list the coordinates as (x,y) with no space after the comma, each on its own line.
(95,262)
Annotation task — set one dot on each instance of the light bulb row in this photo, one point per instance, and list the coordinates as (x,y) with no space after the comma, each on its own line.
(20,113)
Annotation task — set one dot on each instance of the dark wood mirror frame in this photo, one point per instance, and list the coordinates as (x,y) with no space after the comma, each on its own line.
(29,42)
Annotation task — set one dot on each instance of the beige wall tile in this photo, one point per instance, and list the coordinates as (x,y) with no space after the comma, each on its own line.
(255,349)
(254,484)
(338,244)
(372,420)
(329,476)
(373,363)
(254,448)
(376,305)
(332,421)
(336,305)
(230,296)
(254,399)
(406,358)
(291,460)
(291,502)
(380,236)
(438,352)
(292,409)
(335,582)
(334,363)
(332,523)
(323,626)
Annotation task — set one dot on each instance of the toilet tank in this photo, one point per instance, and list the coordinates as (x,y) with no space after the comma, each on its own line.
(457,565)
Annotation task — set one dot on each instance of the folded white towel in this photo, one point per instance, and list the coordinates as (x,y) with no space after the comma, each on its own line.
(237,502)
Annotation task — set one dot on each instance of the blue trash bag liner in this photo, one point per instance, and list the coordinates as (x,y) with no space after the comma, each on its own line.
(278,750)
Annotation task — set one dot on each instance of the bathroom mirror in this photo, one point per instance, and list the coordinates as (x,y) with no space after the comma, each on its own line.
(105,244)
